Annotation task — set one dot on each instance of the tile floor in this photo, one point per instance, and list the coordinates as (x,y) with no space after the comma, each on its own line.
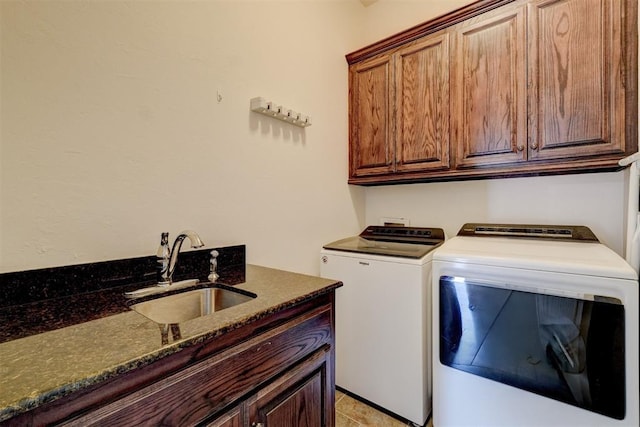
(353,413)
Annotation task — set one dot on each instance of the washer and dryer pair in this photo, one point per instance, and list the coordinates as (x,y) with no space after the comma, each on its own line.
(532,325)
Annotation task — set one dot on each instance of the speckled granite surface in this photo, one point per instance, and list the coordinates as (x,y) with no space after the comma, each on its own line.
(37,301)
(40,368)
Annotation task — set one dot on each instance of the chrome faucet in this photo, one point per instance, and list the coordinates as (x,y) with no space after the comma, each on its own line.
(170,257)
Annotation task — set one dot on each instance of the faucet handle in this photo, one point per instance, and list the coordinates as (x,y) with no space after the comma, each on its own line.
(163,256)
(213,265)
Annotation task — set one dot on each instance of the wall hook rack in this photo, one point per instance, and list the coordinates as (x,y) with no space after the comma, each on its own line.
(268,108)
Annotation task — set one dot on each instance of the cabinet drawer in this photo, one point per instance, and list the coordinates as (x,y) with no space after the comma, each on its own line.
(206,387)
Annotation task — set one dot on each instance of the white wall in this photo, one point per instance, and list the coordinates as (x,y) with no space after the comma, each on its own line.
(111,131)
(595,200)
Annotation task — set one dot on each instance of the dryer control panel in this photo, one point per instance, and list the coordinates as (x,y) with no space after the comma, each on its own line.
(575,233)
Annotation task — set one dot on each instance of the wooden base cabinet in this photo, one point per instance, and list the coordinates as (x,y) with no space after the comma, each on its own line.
(277,371)
(535,87)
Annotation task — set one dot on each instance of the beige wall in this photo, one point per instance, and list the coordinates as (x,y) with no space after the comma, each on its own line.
(387,17)
(111,132)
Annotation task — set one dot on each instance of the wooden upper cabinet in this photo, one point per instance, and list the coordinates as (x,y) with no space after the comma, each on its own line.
(489,89)
(371,115)
(399,117)
(576,88)
(498,88)
(422,105)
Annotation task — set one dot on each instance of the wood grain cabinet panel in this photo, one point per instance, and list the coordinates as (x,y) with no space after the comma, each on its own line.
(371,111)
(293,409)
(422,105)
(489,90)
(399,114)
(297,399)
(232,418)
(576,99)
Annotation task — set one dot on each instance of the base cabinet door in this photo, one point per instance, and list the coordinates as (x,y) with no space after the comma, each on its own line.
(233,418)
(298,398)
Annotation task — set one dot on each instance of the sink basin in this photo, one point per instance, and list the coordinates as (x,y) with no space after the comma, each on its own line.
(191,304)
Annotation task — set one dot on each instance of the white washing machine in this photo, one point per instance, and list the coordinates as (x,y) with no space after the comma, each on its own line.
(533,326)
(383,312)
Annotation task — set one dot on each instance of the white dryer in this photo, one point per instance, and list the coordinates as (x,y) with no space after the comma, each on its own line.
(533,326)
(383,312)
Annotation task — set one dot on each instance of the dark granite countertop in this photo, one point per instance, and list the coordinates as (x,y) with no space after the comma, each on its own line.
(105,339)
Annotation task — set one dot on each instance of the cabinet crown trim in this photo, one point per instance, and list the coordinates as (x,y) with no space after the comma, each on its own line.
(436,24)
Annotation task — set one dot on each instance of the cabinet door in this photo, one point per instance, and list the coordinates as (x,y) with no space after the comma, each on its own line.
(488,89)
(422,105)
(371,123)
(576,93)
(301,398)
(232,418)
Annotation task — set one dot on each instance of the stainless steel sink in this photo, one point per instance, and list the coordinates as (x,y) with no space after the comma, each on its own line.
(191,304)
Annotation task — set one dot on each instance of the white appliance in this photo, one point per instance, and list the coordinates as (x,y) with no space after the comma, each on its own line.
(533,325)
(383,316)
(632,250)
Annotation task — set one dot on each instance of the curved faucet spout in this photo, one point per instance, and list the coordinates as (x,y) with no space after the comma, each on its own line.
(177,244)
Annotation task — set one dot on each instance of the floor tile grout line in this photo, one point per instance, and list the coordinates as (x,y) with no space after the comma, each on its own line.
(347,416)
